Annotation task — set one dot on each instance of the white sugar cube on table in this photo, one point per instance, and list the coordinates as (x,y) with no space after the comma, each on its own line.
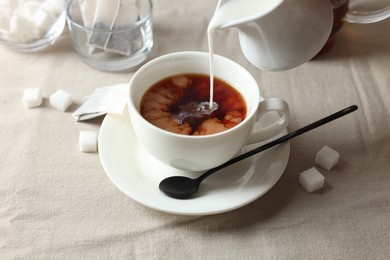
(311,179)
(327,158)
(88,141)
(61,100)
(32,97)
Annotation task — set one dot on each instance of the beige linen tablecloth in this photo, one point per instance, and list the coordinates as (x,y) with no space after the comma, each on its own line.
(58,203)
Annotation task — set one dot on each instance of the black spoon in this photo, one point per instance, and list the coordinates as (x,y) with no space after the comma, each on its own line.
(181,187)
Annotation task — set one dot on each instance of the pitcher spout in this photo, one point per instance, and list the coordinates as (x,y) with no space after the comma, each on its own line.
(233,13)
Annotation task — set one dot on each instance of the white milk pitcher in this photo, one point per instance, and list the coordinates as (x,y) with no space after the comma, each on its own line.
(280,34)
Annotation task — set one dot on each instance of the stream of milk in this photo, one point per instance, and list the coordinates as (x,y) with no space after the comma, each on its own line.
(226,15)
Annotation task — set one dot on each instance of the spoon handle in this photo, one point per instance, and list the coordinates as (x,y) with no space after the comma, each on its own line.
(281,139)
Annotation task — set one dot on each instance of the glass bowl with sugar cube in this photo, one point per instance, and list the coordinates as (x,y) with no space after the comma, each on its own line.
(31,25)
(111,35)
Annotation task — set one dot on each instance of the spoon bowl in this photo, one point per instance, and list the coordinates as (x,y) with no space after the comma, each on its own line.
(181,187)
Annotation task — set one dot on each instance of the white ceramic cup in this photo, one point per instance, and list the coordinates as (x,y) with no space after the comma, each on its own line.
(197,153)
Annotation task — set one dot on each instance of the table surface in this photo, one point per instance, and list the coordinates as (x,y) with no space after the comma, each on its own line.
(58,203)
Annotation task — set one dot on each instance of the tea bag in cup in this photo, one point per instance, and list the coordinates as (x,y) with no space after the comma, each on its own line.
(87,8)
(127,15)
(108,99)
(112,15)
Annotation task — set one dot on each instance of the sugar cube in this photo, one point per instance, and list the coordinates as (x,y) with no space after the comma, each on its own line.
(61,100)
(27,9)
(43,20)
(32,97)
(311,180)
(18,23)
(8,3)
(22,29)
(5,11)
(21,2)
(327,158)
(54,7)
(4,23)
(88,141)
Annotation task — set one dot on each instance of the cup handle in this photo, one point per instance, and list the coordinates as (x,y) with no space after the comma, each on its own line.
(261,133)
(363,17)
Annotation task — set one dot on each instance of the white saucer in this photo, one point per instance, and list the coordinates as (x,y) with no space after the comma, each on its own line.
(137,174)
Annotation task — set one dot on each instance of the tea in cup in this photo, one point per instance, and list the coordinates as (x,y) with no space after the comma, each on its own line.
(178,104)
(162,97)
